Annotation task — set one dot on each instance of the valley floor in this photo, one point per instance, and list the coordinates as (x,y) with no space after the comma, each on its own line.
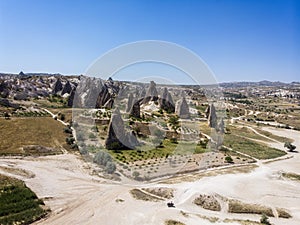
(75,196)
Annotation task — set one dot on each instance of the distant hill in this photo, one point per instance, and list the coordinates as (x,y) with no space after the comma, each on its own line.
(224,84)
(256,84)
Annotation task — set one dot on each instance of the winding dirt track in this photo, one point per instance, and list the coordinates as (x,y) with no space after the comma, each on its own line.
(75,197)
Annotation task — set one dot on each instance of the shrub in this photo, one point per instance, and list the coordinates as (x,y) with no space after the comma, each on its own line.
(68,130)
(264,220)
(62,117)
(228,159)
(135,174)
(70,140)
(110,167)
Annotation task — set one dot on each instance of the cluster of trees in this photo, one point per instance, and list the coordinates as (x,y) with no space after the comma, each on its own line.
(174,122)
(104,159)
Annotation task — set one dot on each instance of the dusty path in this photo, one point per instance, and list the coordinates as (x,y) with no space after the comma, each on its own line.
(75,197)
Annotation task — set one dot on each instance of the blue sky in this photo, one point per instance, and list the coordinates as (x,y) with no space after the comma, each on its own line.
(239,40)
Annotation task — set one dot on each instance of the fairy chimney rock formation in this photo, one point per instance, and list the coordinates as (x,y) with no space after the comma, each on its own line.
(57,86)
(166,101)
(183,109)
(71,97)
(152,94)
(118,137)
(67,88)
(103,97)
(135,110)
(212,117)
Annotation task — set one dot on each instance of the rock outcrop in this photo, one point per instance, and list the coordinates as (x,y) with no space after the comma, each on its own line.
(67,88)
(183,109)
(57,87)
(71,97)
(212,116)
(166,101)
(103,97)
(21,96)
(118,138)
(135,110)
(152,94)
(109,104)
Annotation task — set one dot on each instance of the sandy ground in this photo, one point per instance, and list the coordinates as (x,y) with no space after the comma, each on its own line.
(76,197)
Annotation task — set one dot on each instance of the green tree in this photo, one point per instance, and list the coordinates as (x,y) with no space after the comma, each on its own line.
(135,174)
(174,122)
(110,167)
(265,220)
(229,159)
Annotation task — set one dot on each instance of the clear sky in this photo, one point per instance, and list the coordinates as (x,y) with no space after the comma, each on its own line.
(239,40)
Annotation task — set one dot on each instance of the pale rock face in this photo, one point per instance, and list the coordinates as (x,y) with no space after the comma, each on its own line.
(183,109)
(221,126)
(152,94)
(129,103)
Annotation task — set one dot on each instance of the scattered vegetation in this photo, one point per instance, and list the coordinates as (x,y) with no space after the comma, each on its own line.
(104,159)
(264,220)
(208,202)
(292,176)
(140,195)
(174,122)
(167,193)
(173,222)
(235,206)
(282,213)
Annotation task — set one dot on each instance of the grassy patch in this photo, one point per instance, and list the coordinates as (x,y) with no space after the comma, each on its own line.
(235,206)
(173,222)
(245,132)
(273,136)
(140,195)
(291,176)
(17,171)
(17,133)
(282,213)
(204,128)
(242,222)
(18,204)
(252,148)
